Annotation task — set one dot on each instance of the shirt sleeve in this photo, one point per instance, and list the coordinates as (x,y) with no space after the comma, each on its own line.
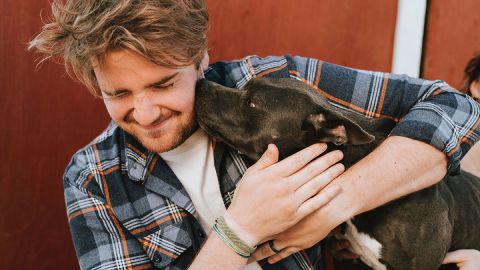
(428,111)
(100,241)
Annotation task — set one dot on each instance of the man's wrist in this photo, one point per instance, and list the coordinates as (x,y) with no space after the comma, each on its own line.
(341,208)
(244,235)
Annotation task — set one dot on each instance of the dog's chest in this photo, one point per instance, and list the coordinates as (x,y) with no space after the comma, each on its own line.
(365,246)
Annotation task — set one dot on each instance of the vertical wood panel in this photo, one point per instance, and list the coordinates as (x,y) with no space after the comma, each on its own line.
(45,118)
(354,33)
(452,38)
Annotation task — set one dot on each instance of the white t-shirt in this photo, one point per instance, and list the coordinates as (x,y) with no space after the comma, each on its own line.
(192,163)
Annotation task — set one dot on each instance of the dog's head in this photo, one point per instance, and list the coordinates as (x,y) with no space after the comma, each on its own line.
(286,112)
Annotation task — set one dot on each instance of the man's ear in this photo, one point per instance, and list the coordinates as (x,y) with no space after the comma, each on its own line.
(205,61)
(336,130)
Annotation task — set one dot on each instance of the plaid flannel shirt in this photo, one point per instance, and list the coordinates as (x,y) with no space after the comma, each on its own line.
(127,209)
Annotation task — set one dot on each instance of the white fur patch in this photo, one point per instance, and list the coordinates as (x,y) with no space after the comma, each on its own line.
(365,246)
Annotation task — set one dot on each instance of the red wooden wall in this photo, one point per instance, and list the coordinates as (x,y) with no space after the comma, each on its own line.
(354,33)
(45,117)
(452,38)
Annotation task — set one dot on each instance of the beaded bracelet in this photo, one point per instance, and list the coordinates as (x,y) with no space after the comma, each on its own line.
(231,239)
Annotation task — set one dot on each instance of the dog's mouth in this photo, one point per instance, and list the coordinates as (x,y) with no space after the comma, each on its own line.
(205,127)
(209,130)
(212,132)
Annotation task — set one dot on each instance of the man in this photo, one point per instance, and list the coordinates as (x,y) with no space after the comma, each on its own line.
(148,190)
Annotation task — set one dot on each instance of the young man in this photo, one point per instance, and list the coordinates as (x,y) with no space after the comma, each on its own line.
(148,190)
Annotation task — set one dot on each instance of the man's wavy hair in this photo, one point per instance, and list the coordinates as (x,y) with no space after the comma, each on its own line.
(170,33)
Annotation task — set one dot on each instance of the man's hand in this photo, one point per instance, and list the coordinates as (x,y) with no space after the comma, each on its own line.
(399,166)
(303,235)
(273,196)
(465,259)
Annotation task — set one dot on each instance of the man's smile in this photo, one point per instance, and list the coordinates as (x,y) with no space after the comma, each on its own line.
(157,128)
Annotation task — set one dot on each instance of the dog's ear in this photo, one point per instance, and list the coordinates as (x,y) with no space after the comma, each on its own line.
(335,129)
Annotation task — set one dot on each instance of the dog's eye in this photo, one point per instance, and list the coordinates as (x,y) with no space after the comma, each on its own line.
(251,104)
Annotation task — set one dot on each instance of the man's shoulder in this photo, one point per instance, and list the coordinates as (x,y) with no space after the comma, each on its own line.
(247,62)
(91,161)
(236,73)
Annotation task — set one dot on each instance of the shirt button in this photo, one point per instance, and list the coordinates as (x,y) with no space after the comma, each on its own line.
(200,234)
(157,259)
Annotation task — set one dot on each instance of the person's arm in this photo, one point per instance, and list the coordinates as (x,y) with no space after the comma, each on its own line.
(436,125)
(216,255)
(427,111)
(399,166)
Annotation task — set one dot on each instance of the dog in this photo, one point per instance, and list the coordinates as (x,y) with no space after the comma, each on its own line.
(413,232)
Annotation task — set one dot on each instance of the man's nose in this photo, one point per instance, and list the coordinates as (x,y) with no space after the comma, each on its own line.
(145,111)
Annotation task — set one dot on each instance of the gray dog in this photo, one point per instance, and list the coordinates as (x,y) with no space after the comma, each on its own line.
(413,232)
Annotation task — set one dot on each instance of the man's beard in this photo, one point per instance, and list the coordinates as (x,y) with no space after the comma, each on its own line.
(185,133)
(168,141)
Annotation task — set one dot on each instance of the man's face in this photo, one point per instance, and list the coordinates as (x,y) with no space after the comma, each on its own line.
(153,103)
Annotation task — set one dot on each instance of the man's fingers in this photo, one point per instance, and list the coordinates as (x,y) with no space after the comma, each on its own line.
(262,252)
(295,162)
(315,168)
(454,257)
(317,201)
(282,255)
(269,157)
(341,255)
(318,183)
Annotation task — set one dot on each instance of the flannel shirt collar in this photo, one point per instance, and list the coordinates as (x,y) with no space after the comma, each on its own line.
(136,158)
(150,170)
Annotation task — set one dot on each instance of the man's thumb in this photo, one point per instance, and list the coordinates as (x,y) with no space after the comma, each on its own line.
(269,157)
